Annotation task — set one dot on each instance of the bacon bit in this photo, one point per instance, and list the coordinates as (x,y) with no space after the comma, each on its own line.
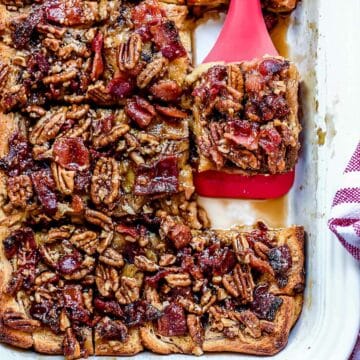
(160,177)
(272,66)
(273,106)
(153,281)
(77,205)
(166,90)
(127,230)
(269,140)
(139,312)
(19,158)
(111,307)
(74,304)
(112,330)
(244,133)
(23,31)
(38,65)
(71,153)
(69,12)
(173,322)
(265,305)
(121,87)
(166,37)
(47,313)
(171,112)
(180,235)
(98,63)
(45,186)
(140,110)
(82,181)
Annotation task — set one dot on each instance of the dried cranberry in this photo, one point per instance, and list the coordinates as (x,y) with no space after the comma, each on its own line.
(173,322)
(121,87)
(154,280)
(19,158)
(273,106)
(166,37)
(127,230)
(269,140)
(112,330)
(280,259)
(244,133)
(82,181)
(69,263)
(23,31)
(108,307)
(38,65)
(130,250)
(272,66)
(16,238)
(71,153)
(45,186)
(160,177)
(139,312)
(265,305)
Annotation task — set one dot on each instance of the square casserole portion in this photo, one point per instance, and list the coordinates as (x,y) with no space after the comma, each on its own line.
(246,116)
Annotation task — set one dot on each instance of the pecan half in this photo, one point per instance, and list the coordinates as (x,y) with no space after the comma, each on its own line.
(112,257)
(86,241)
(240,283)
(46,277)
(60,78)
(19,321)
(145,264)
(195,328)
(19,190)
(129,290)
(152,70)
(107,280)
(129,52)
(110,137)
(98,218)
(64,179)
(47,127)
(105,182)
(175,280)
(61,233)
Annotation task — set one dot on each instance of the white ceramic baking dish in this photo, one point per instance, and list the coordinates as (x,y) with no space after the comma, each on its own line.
(325,47)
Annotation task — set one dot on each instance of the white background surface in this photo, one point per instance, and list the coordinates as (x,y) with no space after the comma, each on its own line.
(326,47)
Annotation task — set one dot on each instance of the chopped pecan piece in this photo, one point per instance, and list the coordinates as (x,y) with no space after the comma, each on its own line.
(251,323)
(47,127)
(153,70)
(112,258)
(19,190)
(107,280)
(240,284)
(19,321)
(46,277)
(72,348)
(129,52)
(167,259)
(105,182)
(140,110)
(64,179)
(196,330)
(107,138)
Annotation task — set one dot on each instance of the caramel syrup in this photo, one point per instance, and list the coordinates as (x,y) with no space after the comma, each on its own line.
(279,34)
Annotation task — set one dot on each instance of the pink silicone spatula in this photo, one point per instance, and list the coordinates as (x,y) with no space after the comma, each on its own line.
(244,36)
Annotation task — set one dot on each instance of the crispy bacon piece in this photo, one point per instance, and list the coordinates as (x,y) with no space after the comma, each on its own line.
(71,153)
(74,304)
(110,307)
(127,230)
(269,140)
(16,238)
(154,280)
(272,66)
(173,322)
(121,87)
(180,235)
(140,110)
(280,259)
(161,177)
(45,186)
(19,158)
(98,63)
(69,12)
(112,330)
(69,263)
(166,37)
(139,312)
(47,312)
(166,90)
(23,31)
(244,133)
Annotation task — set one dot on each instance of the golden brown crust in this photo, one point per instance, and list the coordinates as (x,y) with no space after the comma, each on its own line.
(167,345)
(266,345)
(46,342)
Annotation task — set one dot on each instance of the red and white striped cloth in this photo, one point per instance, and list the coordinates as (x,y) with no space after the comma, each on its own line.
(345,213)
